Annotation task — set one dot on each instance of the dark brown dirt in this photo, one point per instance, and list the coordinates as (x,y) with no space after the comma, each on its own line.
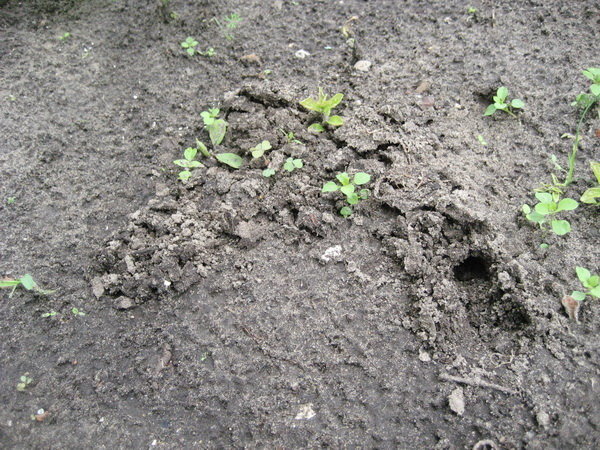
(240,311)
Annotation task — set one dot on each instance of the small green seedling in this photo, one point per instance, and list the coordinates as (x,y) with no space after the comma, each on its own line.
(189,161)
(592,195)
(190,45)
(323,106)
(77,312)
(290,137)
(216,127)
(209,52)
(502,103)
(65,36)
(267,173)
(24,381)
(585,102)
(292,164)
(10,200)
(232,21)
(348,187)
(471,10)
(550,204)
(259,150)
(49,314)
(590,282)
(482,140)
(27,282)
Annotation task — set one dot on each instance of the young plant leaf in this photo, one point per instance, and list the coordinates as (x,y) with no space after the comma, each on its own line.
(317,128)
(217,131)
(330,187)
(361,178)
(490,110)
(335,121)
(517,103)
(346,211)
(190,153)
(578,295)
(591,195)
(343,178)
(560,227)
(583,274)
(231,159)
(347,189)
(567,204)
(502,93)
(268,173)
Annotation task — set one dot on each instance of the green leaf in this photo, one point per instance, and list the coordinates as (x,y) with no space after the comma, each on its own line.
(352,198)
(311,104)
(231,159)
(9,283)
(289,165)
(316,127)
(490,110)
(335,121)
(195,164)
(27,282)
(560,227)
(526,209)
(346,211)
(364,194)
(595,89)
(330,187)
(343,178)
(578,295)
(500,105)
(190,153)
(217,131)
(298,163)
(545,208)
(544,197)
(596,169)
(335,100)
(185,175)
(361,178)
(595,292)
(517,103)
(202,148)
(583,274)
(190,51)
(535,217)
(590,196)
(268,173)
(181,162)
(502,93)
(593,281)
(347,189)
(567,204)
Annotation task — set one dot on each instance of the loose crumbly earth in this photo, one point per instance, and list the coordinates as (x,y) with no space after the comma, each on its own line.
(242,311)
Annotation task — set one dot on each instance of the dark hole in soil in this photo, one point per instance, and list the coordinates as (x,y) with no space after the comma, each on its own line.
(473,268)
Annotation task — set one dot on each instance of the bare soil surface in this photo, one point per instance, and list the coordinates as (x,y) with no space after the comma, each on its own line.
(236,310)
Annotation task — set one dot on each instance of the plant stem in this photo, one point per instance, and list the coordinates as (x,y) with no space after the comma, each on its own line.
(573,155)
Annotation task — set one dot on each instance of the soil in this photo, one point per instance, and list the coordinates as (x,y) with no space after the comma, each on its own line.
(236,310)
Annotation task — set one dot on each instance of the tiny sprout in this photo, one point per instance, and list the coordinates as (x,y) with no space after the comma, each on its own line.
(189,161)
(24,381)
(216,127)
(27,282)
(347,187)
(550,204)
(268,173)
(502,103)
(590,282)
(292,164)
(323,106)
(592,195)
(77,312)
(190,45)
(49,314)
(65,36)
(260,149)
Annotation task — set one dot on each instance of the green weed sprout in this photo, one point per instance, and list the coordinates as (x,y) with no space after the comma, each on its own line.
(290,137)
(267,173)
(323,106)
(292,164)
(24,381)
(189,162)
(590,282)
(591,195)
(65,36)
(259,150)
(550,204)
(77,312)
(190,45)
(585,102)
(348,187)
(27,282)
(502,103)
(216,127)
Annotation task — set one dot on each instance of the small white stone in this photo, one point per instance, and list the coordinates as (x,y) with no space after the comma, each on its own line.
(424,356)
(306,412)
(363,65)
(456,400)
(301,54)
(332,253)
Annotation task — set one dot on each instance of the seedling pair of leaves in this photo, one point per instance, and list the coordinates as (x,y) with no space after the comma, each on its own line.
(290,165)
(544,212)
(217,128)
(348,187)
(24,381)
(323,106)
(503,103)
(27,282)
(590,282)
